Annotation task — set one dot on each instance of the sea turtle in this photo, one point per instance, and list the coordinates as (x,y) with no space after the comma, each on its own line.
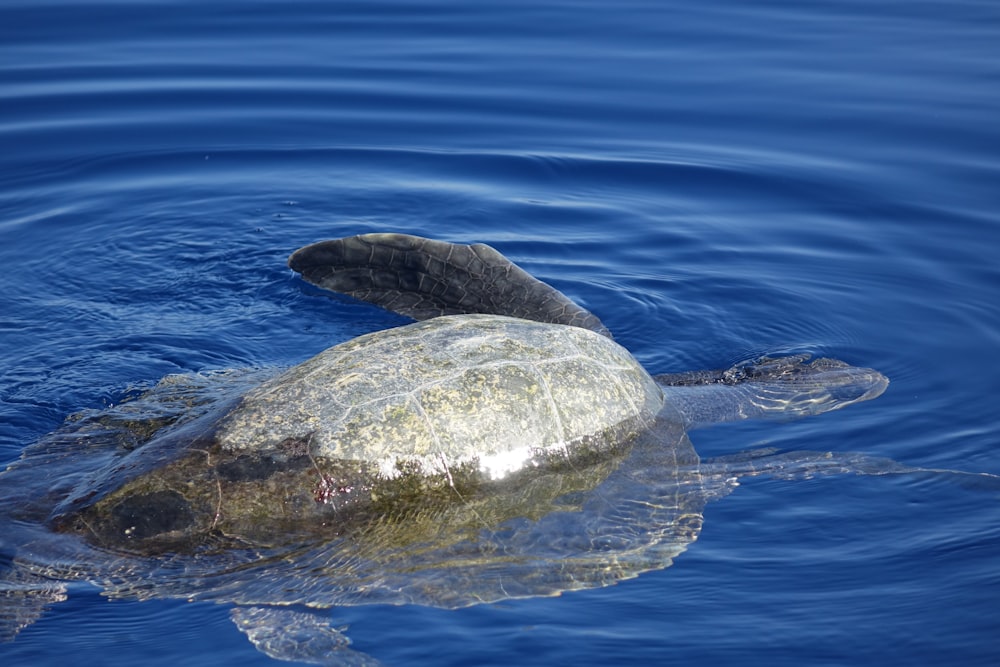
(502,446)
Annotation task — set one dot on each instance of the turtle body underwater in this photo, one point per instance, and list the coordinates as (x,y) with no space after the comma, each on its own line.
(501,446)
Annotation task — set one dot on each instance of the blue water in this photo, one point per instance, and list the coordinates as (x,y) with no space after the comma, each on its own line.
(716,180)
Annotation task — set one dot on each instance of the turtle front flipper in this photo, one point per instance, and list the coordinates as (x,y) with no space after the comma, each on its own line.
(423,278)
(781,388)
(297,636)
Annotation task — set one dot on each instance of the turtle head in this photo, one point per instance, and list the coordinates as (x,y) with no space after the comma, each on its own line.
(791,387)
(781,388)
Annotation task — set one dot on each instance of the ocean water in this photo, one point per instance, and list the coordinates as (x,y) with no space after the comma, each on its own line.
(716,180)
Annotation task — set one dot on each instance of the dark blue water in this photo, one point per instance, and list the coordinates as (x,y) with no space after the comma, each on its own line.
(716,180)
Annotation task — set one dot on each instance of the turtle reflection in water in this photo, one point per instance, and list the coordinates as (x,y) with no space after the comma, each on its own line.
(502,446)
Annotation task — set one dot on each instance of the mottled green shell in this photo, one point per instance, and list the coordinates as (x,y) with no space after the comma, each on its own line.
(497,392)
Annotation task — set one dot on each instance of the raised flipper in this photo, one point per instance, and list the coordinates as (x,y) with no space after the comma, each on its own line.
(422,278)
(297,636)
(781,388)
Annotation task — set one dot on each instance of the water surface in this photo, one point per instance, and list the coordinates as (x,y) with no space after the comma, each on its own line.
(716,182)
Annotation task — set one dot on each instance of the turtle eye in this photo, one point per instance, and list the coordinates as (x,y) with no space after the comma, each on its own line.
(151,514)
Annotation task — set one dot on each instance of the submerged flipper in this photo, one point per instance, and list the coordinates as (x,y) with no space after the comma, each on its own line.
(781,388)
(24,597)
(422,278)
(298,636)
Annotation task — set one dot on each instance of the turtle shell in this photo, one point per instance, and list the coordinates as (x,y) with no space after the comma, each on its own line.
(488,390)
(430,412)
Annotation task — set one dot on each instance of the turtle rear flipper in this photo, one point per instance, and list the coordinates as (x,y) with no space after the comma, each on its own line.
(423,278)
(24,597)
(297,636)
